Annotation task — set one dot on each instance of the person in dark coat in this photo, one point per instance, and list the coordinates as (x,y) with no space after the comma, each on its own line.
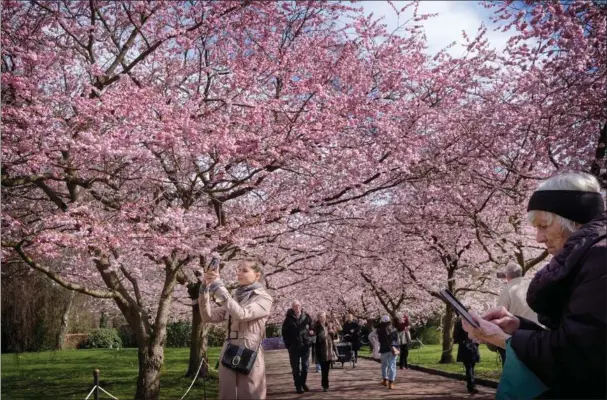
(467,353)
(351,332)
(325,352)
(298,335)
(568,294)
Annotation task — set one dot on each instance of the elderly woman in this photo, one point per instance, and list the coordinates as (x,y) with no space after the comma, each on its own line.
(325,347)
(246,312)
(569,295)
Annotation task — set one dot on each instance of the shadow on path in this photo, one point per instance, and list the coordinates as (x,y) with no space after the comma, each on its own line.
(363,382)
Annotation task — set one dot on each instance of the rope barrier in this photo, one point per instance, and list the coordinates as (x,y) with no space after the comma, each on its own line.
(91,392)
(104,391)
(194,380)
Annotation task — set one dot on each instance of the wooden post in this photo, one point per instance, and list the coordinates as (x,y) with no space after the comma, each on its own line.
(96,383)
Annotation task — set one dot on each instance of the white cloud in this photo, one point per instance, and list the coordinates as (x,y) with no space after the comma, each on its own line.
(453,18)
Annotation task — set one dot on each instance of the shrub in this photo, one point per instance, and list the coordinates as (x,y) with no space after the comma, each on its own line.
(217,335)
(127,336)
(178,334)
(429,335)
(103,339)
(273,330)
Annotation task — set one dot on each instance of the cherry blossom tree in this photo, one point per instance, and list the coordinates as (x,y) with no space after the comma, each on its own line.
(154,133)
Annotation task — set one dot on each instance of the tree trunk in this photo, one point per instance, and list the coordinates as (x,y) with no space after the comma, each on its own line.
(198,345)
(447,354)
(151,358)
(65,321)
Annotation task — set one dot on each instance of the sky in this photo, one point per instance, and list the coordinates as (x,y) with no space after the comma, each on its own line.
(454,16)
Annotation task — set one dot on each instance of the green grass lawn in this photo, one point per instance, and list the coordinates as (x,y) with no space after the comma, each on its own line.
(490,366)
(69,374)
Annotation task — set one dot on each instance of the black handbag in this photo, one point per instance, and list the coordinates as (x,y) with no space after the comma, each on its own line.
(238,357)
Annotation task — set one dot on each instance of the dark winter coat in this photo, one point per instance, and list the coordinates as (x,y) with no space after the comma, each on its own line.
(467,350)
(295,331)
(353,330)
(325,346)
(569,295)
(388,339)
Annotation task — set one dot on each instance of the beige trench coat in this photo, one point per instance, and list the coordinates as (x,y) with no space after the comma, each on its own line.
(248,325)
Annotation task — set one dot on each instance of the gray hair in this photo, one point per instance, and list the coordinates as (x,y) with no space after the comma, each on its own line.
(513,270)
(579,181)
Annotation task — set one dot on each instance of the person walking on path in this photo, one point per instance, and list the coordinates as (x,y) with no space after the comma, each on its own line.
(374,342)
(467,353)
(404,339)
(246,312)
(325,347)
(351,333)
(514,297)
(388,349)
(297,334)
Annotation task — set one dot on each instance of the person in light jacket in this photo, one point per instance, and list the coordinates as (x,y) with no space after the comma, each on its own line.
(514,297)
(374,342)
(404,339)
(249,309)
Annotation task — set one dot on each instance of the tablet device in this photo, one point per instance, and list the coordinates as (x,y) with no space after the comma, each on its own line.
(459,308)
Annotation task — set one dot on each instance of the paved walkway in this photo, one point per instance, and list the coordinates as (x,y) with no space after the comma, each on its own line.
(364,383)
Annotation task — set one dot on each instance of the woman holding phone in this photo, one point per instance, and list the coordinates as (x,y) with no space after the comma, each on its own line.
(247,311)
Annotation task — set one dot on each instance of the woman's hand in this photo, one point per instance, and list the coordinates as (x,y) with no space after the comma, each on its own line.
(488,332)
(501,317)
(210,277)
(311,332)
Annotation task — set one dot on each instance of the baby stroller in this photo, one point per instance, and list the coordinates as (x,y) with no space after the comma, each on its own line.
(345,353)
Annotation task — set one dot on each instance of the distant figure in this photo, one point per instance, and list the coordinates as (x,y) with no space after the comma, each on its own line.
(404,340)
(514,297)
(374,343)
(325,347)
(298,336)
(351,332)
(388,349)
(467,353)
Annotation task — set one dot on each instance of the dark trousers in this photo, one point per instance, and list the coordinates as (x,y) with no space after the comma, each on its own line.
(502,354)
(356,355)
(299,355)
(404,354)
(324,371)
(469,375)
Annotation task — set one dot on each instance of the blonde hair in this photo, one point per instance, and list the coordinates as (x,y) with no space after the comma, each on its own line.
(578,181)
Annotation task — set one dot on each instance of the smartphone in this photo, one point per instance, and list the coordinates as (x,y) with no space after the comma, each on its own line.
(459,308)
(214,265)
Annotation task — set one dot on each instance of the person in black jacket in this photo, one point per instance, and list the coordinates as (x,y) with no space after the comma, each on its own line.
(298,336)
(568,294)
(351,333)
(467,353)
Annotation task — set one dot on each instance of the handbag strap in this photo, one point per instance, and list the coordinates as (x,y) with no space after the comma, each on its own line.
(263,335)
